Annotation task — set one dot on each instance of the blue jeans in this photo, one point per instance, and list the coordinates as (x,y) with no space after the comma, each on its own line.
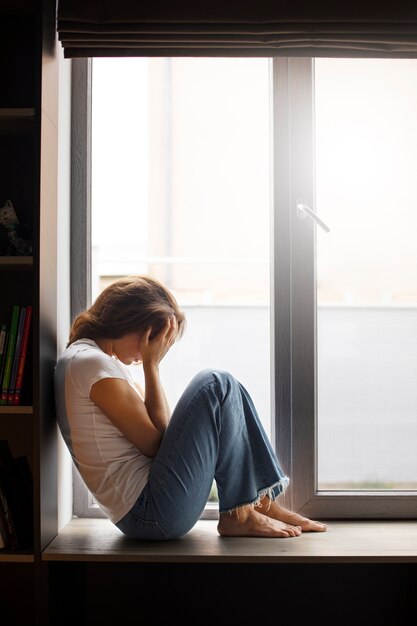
(214,434)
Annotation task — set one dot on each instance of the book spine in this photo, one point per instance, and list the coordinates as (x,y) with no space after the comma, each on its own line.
(23,514)
(10,354)
(18,344)
(3,363)
(3,344)
(3,532)
(22,356)
(12,497)
(10,539)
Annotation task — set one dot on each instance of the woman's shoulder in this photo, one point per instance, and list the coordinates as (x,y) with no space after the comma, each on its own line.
(85,363)
(84,354)
(81,349)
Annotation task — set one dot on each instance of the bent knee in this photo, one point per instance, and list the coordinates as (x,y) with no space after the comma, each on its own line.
(215,374)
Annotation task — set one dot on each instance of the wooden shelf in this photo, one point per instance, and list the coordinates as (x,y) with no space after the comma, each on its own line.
(23,410)
(14,262)
(17,121)
(16,557)
(17,114)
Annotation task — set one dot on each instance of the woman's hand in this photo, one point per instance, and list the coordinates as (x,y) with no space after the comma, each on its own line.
(153,349)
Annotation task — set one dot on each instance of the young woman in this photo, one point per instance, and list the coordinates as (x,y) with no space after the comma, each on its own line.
(151,472)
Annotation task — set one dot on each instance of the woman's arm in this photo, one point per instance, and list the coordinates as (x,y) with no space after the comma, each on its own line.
(152,352)
(127,411)
(142,420)
(142,395)
(155,398)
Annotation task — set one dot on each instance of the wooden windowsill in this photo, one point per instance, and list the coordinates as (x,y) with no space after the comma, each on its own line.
(344,542)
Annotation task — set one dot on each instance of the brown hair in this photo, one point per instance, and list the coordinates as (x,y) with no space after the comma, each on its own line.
(131,304)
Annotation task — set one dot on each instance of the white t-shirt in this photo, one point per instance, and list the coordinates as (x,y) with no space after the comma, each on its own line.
(113,469)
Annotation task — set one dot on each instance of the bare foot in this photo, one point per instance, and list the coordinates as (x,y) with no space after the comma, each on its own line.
(276,511)
(246,522)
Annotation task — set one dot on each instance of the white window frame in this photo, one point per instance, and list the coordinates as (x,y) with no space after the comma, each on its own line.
(293,294)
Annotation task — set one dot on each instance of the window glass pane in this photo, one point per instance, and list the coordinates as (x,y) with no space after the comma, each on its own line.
(366,160)
(181,190)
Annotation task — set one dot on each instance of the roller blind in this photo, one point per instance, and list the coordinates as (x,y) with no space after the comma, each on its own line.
(370,28)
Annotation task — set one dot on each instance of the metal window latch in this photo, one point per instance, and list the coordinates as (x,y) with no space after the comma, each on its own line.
(303,210)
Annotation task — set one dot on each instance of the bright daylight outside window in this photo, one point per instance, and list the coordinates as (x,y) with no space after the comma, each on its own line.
(366,163)
(181,191)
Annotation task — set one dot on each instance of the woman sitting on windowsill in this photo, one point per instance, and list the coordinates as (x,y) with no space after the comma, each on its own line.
(150,472)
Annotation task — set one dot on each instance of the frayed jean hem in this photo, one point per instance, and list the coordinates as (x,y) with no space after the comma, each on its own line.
(271,492)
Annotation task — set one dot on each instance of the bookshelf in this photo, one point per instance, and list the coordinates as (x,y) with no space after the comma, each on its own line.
(16,410)
(28,178)
(18,262)
(17,121)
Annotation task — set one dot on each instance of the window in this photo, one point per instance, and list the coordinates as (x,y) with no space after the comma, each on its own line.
(211,174)
(366,153)
(180,190)
(348,295)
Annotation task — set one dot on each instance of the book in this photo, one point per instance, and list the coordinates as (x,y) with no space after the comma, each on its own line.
(16,355)
(23,510)
(6,492)
(9,355)
(17,487)
(3,343)
(22,355)
(3,533)
(8,530)
(3,361)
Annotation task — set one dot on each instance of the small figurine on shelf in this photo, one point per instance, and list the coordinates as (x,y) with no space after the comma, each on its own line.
(18,235)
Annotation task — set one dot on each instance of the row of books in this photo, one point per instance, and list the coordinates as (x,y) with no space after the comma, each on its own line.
(16,500)
(14,338)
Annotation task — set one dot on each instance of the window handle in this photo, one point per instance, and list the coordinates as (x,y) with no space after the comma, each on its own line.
(303,210)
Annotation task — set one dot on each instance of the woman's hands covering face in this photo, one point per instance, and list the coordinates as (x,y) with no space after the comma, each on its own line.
(154,349)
